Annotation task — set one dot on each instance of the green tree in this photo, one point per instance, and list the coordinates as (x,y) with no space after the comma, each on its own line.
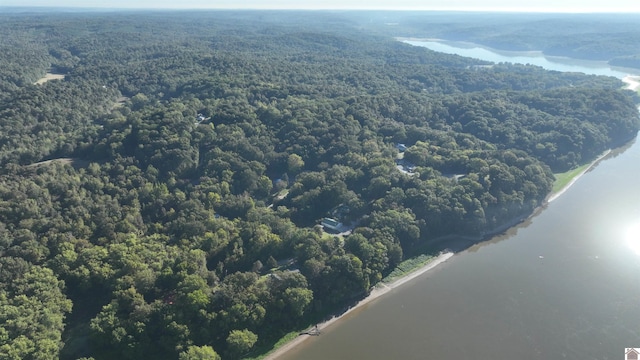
(239,342)
(199,353)
(294,163)
(32,312)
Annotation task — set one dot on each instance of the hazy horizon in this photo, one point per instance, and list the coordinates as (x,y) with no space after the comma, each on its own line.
(566,6)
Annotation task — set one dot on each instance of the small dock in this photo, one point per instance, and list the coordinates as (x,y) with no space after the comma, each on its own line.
(314,331)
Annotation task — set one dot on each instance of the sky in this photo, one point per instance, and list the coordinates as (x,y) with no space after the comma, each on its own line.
(624,6)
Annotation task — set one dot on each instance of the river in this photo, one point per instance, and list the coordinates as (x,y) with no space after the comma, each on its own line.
(556,63)
(565,284)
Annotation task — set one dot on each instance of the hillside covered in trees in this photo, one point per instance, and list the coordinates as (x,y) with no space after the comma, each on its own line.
(162,201)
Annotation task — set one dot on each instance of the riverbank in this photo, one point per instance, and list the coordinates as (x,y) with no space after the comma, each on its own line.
(562,190)
(378,291)
(453,243)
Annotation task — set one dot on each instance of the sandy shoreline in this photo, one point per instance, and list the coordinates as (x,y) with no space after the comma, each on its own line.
(575,178)
(378,291)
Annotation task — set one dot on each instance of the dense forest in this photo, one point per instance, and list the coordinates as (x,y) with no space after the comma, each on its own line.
(604,37)
(163,199)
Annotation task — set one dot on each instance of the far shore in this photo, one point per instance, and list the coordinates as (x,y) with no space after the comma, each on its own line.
(417,39)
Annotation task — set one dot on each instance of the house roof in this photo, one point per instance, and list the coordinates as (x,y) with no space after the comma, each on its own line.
(330,222)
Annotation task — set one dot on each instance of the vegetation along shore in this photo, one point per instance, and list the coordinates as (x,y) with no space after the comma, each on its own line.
(416,267)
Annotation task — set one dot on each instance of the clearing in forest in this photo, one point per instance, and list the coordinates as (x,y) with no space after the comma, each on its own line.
(49,76)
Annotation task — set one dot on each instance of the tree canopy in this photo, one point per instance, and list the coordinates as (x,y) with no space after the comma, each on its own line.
(163,199)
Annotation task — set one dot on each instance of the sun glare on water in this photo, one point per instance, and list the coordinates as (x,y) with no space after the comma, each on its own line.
(632,237)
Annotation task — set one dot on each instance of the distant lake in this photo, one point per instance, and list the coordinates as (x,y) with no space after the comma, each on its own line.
(565,284)
(525,57)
